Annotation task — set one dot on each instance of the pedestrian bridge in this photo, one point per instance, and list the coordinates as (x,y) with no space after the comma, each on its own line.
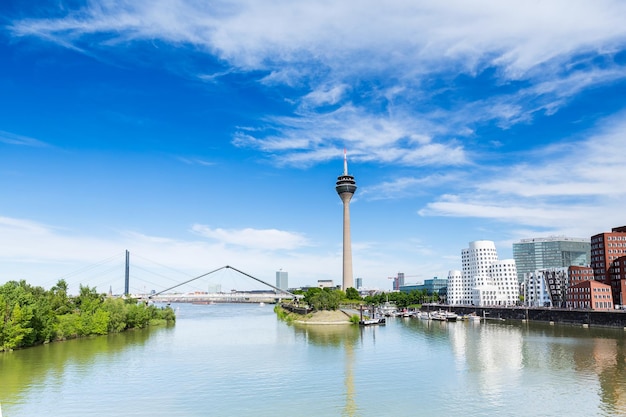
(234,296)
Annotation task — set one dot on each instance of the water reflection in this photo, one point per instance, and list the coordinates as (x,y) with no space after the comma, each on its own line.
(29,370)
(497,359)
(336,336)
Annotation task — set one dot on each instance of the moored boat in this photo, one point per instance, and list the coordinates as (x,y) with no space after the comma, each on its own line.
(443,315)
(424,315)
(370,322)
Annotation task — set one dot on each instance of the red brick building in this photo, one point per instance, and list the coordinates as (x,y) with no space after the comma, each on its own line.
(608,260)
(591,295)
(578,274)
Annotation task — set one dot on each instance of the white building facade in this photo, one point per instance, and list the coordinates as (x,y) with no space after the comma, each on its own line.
(546,288)
(484,279)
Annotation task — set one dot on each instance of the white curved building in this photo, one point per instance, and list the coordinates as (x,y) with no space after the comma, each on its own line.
(484,280)
(455,287)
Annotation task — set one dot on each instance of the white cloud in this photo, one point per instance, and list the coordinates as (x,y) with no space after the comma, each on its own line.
(402,187)
(410,33)
(314,137)
(329,50)
(13,139)
(575,187)
(266,239)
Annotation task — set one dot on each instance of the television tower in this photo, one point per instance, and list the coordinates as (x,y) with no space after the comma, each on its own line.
(346,186)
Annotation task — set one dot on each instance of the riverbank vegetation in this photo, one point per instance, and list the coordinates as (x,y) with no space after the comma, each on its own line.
(31,315)
(414,298)
(320,299)
(331,298)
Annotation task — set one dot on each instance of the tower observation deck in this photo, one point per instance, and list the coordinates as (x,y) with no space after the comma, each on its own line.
(346,187)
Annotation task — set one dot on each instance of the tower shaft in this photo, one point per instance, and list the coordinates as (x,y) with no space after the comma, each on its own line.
(348,277)
(346,187)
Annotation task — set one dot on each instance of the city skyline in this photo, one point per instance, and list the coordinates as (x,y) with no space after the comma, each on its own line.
(201,135)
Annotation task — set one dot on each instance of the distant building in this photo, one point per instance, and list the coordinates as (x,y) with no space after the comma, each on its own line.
(591,295)
(325,283)
(551,252)
(484,280)
(608,260)
(282,280)
(359,283)
(214,289)
(398,281)
(432,286)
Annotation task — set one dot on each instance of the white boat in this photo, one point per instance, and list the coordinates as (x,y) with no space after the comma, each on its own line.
(388,310)
(370,322)
(442,315)
(424,315)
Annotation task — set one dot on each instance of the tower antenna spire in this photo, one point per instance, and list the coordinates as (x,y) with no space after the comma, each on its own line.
(345,162)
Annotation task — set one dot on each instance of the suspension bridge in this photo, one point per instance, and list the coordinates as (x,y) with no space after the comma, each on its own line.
(202,289)
(258,296)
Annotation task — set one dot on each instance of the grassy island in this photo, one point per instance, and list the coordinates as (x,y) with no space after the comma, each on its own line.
(32,315)
(321,306)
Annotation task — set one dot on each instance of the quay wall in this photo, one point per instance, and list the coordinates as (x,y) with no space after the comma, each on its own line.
(615,318)
(297,309)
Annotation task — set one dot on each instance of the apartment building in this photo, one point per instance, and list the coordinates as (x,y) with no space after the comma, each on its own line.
(608,260)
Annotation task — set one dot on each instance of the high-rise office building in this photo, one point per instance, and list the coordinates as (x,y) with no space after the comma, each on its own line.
(346,187)
(608,260)
(359,283)
(551,252)
(282,280)
(398,281)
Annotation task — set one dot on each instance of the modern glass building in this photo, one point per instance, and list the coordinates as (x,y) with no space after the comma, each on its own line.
(430,285)
(550,252)
(282,280)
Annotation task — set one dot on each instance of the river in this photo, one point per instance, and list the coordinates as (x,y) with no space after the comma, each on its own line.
(240,360)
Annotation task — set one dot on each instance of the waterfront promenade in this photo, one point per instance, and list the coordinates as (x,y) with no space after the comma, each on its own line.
(616,318)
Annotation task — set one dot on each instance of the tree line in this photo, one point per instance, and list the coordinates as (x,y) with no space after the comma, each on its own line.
(331,298)
(403,299)
(31,315)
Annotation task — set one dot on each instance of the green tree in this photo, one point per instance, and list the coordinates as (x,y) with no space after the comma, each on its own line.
(352,294)
(326,299)
(117,310)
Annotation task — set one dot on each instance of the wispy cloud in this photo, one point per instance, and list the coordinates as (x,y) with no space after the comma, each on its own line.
(349,64)
(306,139)
(403,187)
(194,161)
(262,239)
(13,139)
(574,183)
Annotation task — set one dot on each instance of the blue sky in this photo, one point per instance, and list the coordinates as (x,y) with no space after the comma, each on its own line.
(199,134)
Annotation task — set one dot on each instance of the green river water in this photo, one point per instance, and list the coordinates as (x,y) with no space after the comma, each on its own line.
(240,360)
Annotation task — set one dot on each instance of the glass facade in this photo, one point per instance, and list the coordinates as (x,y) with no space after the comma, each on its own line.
(557,252)
(282,280)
